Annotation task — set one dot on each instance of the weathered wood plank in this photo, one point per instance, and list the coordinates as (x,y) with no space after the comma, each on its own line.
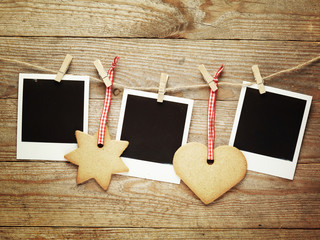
(264,20)
(142,61)
(225,112)
(152,233)
(46,194)
(39,193)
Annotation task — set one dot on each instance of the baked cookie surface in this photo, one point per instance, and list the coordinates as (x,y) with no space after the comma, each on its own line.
(95,162)
(209,181)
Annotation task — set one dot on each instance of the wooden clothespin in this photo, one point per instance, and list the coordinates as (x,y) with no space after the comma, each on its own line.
(258,78)
(162,87)
(64,68)
(103,73)
(209,79)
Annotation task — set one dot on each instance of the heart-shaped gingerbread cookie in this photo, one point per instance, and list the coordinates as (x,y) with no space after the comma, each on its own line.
(207,181)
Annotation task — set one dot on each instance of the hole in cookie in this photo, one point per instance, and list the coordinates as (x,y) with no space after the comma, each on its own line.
(100,145)
(210,161)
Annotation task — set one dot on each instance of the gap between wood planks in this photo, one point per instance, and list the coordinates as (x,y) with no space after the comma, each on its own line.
(160,228)
(165,38)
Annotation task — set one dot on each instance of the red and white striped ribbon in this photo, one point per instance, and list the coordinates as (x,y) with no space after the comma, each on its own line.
(106,105)
(211,116)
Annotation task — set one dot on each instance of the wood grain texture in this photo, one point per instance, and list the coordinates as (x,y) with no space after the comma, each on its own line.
(45,194)
(200,19)
(154,233)
(40,199)
(142,61)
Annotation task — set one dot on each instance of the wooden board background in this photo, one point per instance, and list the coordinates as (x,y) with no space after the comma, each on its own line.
(40,199)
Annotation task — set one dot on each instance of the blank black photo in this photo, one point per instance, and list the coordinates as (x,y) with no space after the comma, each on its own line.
(154,130)
(269,124)
(52,111)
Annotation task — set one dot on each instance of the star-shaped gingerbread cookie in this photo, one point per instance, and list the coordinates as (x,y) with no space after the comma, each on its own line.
(95,162)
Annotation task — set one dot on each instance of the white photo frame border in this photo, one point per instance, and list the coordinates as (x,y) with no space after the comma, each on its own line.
(147,169)
(44,150)
(265,164)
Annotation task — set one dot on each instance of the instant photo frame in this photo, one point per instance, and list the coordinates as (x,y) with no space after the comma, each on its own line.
(269,128)
(49,112)
(154,131)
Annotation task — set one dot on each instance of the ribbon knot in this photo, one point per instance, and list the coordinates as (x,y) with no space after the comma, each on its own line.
(215,77)
(218,72)
(115,61)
